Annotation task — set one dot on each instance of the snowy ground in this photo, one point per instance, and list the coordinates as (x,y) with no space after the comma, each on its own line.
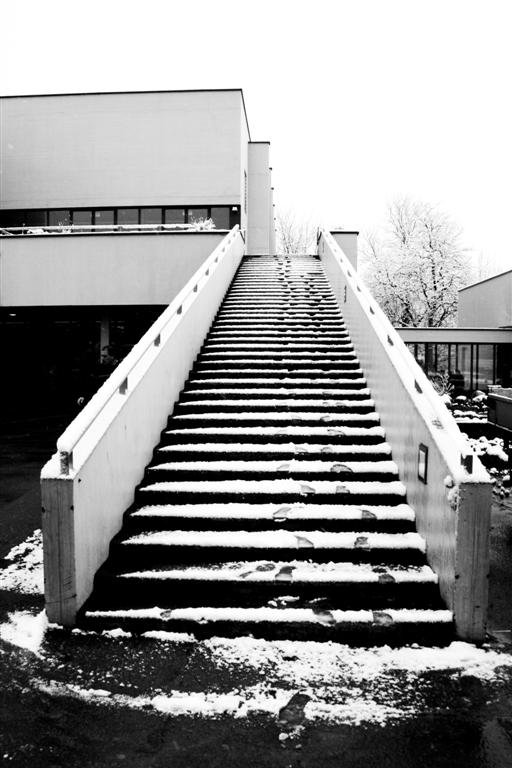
(243,676)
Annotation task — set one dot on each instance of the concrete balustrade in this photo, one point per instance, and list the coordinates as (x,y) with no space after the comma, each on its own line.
(88,485)
(453,501)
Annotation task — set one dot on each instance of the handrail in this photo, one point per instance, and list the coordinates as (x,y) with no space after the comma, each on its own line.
(117,383)
(418,383)
(70,229)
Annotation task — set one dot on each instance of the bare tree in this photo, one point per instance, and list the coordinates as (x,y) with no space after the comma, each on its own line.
(294,236)
(417,266)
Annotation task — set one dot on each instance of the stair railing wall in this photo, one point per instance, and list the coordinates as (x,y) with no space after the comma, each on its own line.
(447,485)
(88,484)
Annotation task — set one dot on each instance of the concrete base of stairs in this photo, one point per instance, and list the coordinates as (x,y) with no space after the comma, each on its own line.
(465,721)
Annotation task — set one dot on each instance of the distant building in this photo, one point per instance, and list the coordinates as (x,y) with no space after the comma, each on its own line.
(478,352)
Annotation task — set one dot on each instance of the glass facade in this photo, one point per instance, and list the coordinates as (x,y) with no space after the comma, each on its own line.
(223,216)
(469,366)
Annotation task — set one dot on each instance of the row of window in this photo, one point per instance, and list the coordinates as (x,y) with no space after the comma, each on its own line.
(224,217)
(469,366)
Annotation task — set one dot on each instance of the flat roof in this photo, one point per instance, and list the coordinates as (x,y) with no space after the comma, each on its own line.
(124,93)
(486,280)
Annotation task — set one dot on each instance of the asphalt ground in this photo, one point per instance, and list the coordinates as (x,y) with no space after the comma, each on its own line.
(450,719)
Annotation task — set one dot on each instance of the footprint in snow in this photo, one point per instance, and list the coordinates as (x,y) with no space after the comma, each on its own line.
(302,542)
(306,490)
(324,617)
(386,578)
(367,515)
(340,468)
(292,714)
(361,542)
(285,574)
(382,619)
(283,468)
(281,514)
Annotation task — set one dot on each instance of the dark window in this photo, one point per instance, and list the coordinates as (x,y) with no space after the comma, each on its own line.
(82,218)
(150,215)
(35,218)
(464,363)
(442,358)
(104,217)
(234,216)
(504,364)
(485,374)
(59,218)
(127,215)
(220,217)
(174,216)
(196,214)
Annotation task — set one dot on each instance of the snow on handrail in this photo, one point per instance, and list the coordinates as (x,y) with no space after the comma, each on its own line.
(411,373)
(119,378)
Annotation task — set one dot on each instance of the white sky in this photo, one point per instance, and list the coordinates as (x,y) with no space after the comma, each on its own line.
(363,100)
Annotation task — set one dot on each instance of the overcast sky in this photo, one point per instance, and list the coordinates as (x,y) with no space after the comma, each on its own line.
(364,101)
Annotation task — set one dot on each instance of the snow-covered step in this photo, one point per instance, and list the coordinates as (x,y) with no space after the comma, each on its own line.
(237,372)
(270,418)
(272,490)
(278,583)
(267,403)
(283,352)
(273,434)
(364,627)
(270,346)
(249,469)
(251,517)
(373,452)
(353,383)
(274,393)
(277,513)
(164,548)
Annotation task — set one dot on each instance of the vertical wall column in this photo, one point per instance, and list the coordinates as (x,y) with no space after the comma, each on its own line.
(272,224)
(258,199)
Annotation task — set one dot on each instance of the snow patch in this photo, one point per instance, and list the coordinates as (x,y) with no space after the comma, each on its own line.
(25,630)
(25,574)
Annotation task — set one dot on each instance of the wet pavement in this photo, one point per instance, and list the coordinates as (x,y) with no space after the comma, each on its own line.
(92,700)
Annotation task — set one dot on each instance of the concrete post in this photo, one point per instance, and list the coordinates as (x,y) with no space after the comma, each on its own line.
(258,199)
(347,241)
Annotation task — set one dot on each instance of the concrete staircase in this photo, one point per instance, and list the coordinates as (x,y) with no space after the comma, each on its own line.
(272,506)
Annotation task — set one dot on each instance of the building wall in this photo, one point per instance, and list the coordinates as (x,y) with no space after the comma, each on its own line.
(173,148)
(487,304)
(99,270)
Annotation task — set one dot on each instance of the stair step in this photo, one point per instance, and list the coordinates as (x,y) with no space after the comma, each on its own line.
(278,394)
(251,517)
(265,404)
(296,584)
(276,418)
(279,490)
(272,434)
(390,627)
(354,382)
(296,468)
(216,450)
